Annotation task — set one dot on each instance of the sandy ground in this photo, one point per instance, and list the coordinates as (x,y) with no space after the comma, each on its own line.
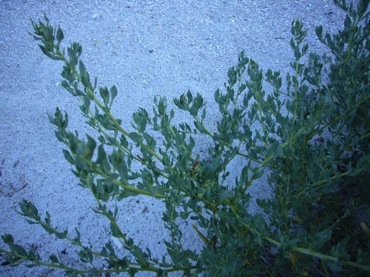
(146,48)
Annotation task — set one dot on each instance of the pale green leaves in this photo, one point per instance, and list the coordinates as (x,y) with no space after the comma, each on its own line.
(15,249)
(135,137)
(49,54)
(108,96)
(60,35)
(74,52)
(274,130)
(189,103)
(47,35)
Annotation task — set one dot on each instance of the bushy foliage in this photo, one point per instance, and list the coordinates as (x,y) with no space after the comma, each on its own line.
(310,137)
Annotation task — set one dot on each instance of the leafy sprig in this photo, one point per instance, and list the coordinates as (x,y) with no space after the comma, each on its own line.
(311,139)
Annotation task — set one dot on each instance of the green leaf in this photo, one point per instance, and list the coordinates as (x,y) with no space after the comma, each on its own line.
(61,235)
(198,102)
(85,255)
(68,157)
(60,35)
(318,31)
(162,106)
(101,154)
(116,159)
(150,141)
(193,111)
(244,175)
(232,76)
(347,22)
(257,173)
(54,259)
(199,127)
(104,93)
(115,232)
(7,238)
(49,54)
(275,150)
(72,57)
(17,249)
(140,257)
(340,249)
(46,19)
(135,137)
(123,141)
(113,94)
(85,77)
(77,239)
(362,6)
(321,238)
(305,49)
(190,96)
(297,53)
(104,252)
(204,114)
(29,210)
(110,249)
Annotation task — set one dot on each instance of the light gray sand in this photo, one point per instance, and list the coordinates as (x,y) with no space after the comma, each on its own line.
(146,48)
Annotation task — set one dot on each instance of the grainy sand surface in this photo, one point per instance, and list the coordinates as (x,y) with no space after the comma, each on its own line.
(146,48)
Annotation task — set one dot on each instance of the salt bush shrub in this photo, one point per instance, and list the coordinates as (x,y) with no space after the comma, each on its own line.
(311,139)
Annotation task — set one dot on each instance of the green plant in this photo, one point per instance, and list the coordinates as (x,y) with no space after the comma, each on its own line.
(311,138)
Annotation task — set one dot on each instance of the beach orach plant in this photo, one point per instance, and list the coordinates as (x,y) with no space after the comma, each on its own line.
(310,137)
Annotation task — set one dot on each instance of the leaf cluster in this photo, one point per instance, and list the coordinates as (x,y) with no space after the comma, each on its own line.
(311,139)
